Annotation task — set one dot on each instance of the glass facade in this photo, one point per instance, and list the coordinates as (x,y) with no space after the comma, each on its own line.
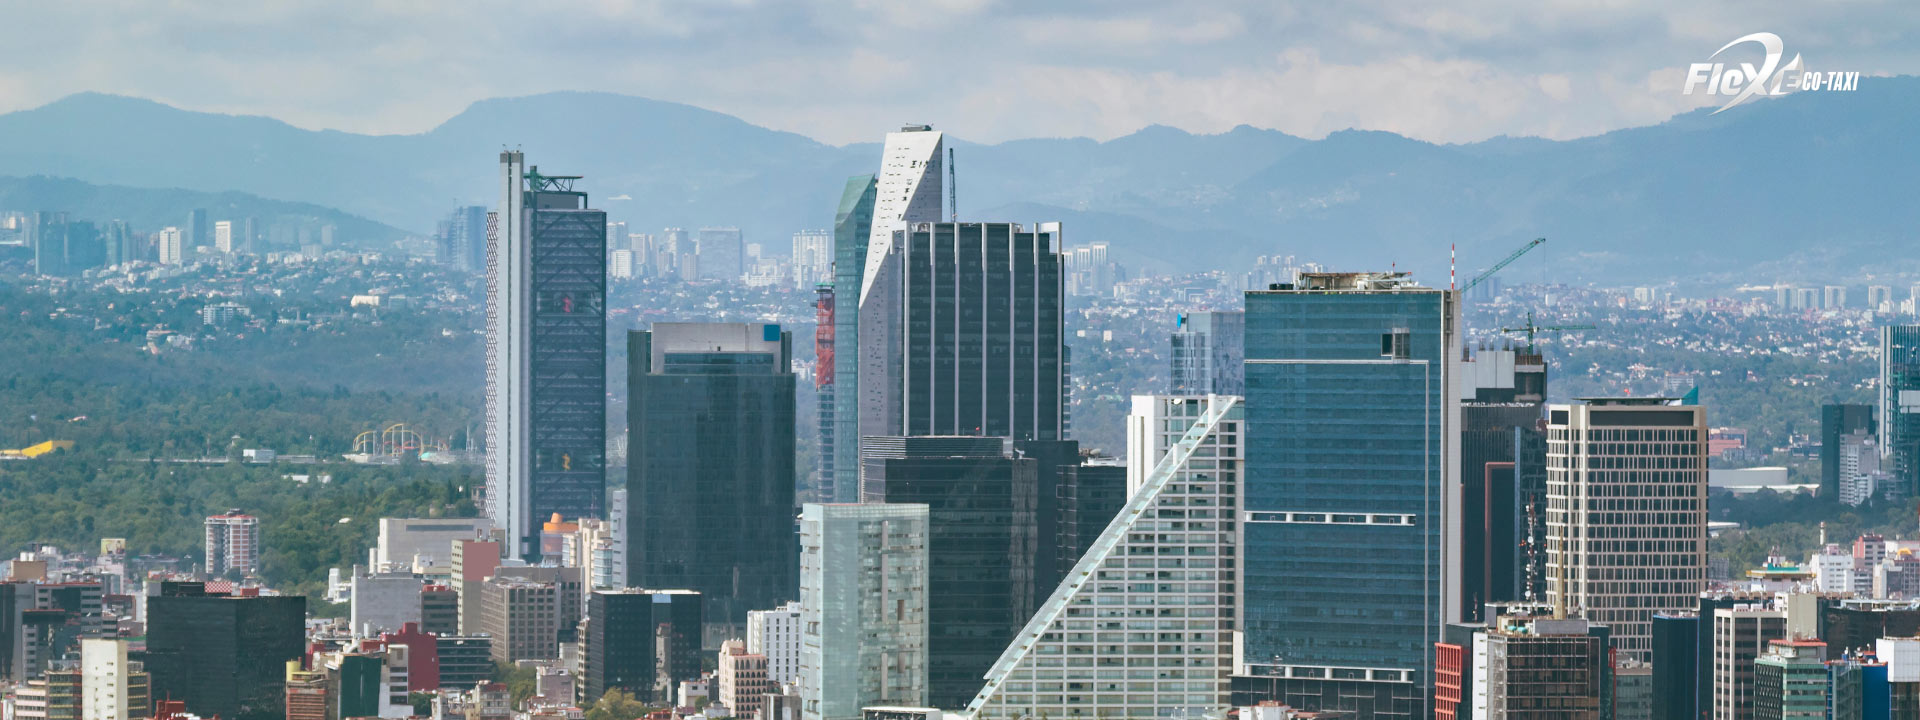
(1348,421)
(1209,354)
(863,608)
(225,656)
(710,466)
(983,350)
(626,630)
(983,538)
(851,227)
(1900,407)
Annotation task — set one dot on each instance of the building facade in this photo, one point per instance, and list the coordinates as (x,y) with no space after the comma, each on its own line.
(523,618)
(852,226)
(776,634)
(1900,407)
(1352,424)
(546,355)
(1741,635)
(742,679)
(644,642)
(863,599)
(224,655)
(233,543)
(1626,513)
(1209,353)
(711,466)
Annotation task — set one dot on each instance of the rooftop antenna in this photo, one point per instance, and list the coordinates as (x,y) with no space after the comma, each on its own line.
(953,188)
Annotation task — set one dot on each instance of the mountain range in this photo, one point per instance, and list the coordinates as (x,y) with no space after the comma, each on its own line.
(1819,184)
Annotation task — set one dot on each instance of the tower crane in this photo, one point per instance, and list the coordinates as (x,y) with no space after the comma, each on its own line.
(1482,277)
(1530,329)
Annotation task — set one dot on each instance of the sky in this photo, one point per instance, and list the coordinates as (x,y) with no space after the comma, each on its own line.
(986,70)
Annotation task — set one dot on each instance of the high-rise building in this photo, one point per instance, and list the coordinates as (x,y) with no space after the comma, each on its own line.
(721,255)
(1502,479)
(1350,481)
(851,227)
(1792,681)
(620,265)
(742,679)
(964,334)
(1541,667)
(196,233)
(224,655)
(171,245)
(463,239)
(1171,548)
(223,236)
(823,392)
(982,545)
(1900,406)
(1676,663)
(1209,353)
(710,427)
(464,660)
(63,247)
(1626,513)
(1741,634)
(439,610)
(1087,500)
(812,258)
(644,642)
(522,616)
(111,686)
(383,601)
(1879,299)
(1837,422)
(472,561)
(1835,297)
(546,354)
(233,543)
(863,608)
(776,634)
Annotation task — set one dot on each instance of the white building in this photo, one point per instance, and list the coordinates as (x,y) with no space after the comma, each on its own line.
(382,602)
(620,265)
(172,247)
(104,675)
(1833,570)
(908,191)
(422,544)
(1626,514)
(812,258)
(1180,509)
(233,543)
(863,607)
(223,236)
(776,634)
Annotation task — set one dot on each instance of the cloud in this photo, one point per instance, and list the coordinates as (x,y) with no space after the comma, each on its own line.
(844,71)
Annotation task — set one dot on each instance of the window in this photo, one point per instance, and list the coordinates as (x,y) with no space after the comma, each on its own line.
(1395,344)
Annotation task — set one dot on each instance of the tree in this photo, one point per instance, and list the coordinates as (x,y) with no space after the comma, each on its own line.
(617,704)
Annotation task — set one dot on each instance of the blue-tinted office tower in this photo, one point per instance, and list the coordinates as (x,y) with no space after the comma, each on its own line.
(1676,666)
(851,226)
(1900,406)
(1351,422)
(710,467)
(1208,353)
(546,355)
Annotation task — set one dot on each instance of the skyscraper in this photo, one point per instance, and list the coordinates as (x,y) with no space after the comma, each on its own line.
(710,468)
(850,235)
(812,258)
(964,334)
(1351,422)
(863,608)
(1900,406)
(1172,547)
(197,233)
(223,236)
(463,239)
(546,354)
(1502,478)
(1209,353)
(981,546)
(825,412)
(1837,422)
(721,254)
(1626,513)
(171,247)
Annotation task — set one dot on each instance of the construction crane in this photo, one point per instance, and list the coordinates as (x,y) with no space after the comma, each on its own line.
(1530,329)
(1482,277)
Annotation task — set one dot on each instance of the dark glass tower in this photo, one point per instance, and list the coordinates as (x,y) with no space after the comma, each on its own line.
(641,641)
(980,549)
(710,423)
(222,655)
(1348,478)
(1900,406)
(851,227)
(1676,669)
(1502,479)
(981,335)
(1209,353)
(546,355)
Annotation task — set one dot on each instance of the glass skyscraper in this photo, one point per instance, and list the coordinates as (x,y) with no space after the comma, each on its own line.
(863,608)
(850,232)
(710,470)
(546,355)
(1208,353)
(1349,420)
(1900,406)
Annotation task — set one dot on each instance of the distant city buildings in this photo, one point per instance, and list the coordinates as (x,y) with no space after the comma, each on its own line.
(546,355)
(721,253)
(812,258)
(232,543)
(462,239)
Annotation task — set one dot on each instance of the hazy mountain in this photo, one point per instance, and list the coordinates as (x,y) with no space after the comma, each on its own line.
(1813,181)
(150,209)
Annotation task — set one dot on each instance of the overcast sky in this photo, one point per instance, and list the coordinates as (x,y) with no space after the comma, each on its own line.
(985,70)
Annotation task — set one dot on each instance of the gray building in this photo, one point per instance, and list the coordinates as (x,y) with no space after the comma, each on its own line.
(383,602)
(863,608)
(546,355)
(722,254)
(710,469)
(1209,353)
(522,617)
